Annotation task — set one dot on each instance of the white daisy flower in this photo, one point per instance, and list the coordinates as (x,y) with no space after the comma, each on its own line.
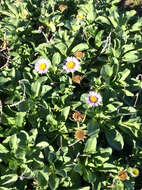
(42,65)
(94,99)
(72,64)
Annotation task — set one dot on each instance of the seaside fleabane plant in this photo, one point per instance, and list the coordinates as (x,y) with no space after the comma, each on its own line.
(94,99)
(72,64)
(42,65)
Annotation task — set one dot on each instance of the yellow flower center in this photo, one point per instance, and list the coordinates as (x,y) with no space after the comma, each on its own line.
(93,99)
(42,66)
(80,17)
(135,171)
(70,65)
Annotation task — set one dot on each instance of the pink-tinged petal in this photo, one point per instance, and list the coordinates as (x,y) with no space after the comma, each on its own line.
(42,65)
(94,99)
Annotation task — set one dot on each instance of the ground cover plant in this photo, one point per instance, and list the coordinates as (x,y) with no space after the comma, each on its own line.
(70,95)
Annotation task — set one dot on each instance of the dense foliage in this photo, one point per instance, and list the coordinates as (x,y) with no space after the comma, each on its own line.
(54,134)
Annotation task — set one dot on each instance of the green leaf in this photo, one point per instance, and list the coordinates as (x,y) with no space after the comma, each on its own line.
(128,47)
(9,179)
(130,14)
(131,57)
(56,59)
(115,139)
(65,112)
(42,145)
(36,86)
(93,128)
(98,38)
(20,118)
(90,146)
(108,167)
(4,188)
(13,142)
(137,26)
(114,16)
(23,138)
(111,108)
(3,149)
(13,164)
(4,80)
(43,178)
(106,71)
(103,155)
(127,92)
(42,79)
(45,89)
(119,185)
(50,119)
(105,151)
(53,182)
(33,135)
(83,97)
(7,13)
(76,104)
(92,13)
(83,188)
(52,26)
(13,9)
(103,20)
(80,47)
(124,74)
(62,48)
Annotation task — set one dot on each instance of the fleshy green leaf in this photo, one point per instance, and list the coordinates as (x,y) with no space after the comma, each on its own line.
(90,146)
(9,179)
(65,112)
(56,59)
(115,139)
(3,149)
(80,47)
(42,145)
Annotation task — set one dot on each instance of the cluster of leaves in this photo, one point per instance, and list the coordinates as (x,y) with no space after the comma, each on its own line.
(38,148)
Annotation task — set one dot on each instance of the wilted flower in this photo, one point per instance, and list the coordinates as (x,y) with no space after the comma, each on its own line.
(77,79)
(94,99)
(62,7)
(80,134)
(77,116)
(42,66)
(72,64)
(122,175)
(78,54)
(134,172)
(40,28)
